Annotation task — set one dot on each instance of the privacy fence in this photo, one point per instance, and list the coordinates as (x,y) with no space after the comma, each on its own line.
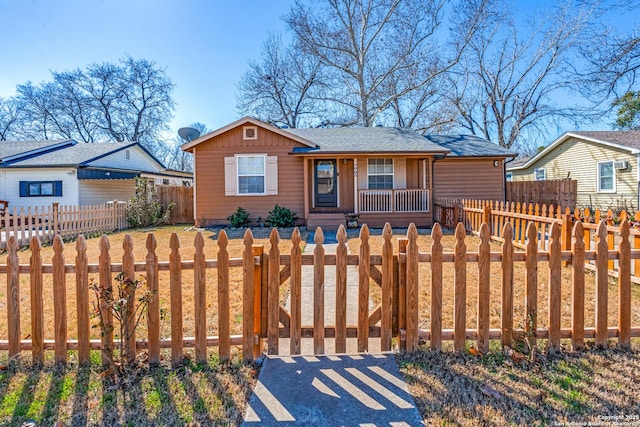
(267,274)
(70,221)
(550,192)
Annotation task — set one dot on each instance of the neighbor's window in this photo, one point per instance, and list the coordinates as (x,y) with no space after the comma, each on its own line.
(606,177)
(540,174)
(251,174)
(509,176)
(40,188)
(380,174)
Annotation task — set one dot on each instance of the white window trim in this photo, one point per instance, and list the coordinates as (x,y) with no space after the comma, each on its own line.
(244,132)
(535,174)
(393,171)
(264,174)
(600,190)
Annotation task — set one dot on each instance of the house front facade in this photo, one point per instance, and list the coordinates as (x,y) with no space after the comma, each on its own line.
(321,174)
(38,173)
(605,165)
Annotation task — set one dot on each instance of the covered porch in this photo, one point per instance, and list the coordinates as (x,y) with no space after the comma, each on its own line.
(377,188)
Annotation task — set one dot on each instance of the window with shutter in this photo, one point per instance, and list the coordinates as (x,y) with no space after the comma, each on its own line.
(251,175)
(40,188)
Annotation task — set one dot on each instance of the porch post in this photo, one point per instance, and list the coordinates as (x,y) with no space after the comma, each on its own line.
(355,186)
(305,183)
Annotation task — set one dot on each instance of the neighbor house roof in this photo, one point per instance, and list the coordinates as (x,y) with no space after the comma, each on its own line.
(365,140)
(469,146)
(15,150)
(628,140)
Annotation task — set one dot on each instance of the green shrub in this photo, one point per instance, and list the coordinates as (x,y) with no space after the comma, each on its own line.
(240,218)
(145,209)
(281,217)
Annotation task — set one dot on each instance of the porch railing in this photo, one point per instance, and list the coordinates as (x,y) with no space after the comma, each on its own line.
(381,201)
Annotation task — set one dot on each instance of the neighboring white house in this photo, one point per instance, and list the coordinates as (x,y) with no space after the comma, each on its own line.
(37,173)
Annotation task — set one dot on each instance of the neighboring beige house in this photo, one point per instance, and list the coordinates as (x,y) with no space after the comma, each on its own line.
(380,173)
(605,164)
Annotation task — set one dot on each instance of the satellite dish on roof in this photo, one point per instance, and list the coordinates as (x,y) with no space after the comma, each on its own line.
(188,134)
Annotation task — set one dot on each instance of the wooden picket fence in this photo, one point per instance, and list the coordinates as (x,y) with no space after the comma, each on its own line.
(496,214)
(67,220)
(265,321)
(182,197)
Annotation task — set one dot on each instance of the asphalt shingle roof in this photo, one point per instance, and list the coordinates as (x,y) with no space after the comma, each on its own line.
(629,138)
(14,148)
(469,146)
(74,155)
(363,140)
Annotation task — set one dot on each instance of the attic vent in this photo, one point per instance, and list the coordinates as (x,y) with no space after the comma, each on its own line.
(621,164)
(127,155)
(250,132)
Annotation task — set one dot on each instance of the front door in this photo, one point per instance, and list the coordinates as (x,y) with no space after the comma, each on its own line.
(326,183)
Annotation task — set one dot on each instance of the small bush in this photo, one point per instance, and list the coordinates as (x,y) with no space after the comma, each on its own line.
(281,217)
(240,218)
(145,209)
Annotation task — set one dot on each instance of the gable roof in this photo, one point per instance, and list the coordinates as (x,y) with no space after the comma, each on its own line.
(15,150)
(628,140)
(365,140)
(67,153)
(469,146)
(245,120)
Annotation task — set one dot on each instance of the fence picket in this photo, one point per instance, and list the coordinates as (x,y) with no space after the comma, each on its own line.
(624,287)
(484,291)
(364,272)
(602,281)
(129,274)
(105,285)
(200,298)
(248,297)
(37,309)
(341,291)
(318,293)
(153,310)
(295,283)
(507,286)
(224,323)
(460,290)
(436,287)
(82,299)
(531,284)
(386,320)
(59,301)
(13,297)
(412,288)
(555,283)
(273,306)
(175,285)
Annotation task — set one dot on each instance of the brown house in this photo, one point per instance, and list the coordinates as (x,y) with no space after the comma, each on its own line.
(382,174)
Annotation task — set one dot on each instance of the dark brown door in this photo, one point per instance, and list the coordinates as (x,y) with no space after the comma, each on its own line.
(326,183)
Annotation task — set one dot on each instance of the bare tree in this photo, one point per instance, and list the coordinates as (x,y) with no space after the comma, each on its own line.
(376,52)
(10,115)
(507,85)
(283,88)
(129,101)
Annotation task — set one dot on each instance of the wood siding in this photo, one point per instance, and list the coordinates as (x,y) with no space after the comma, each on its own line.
(578,159)
(10,185)
(138,160)
(466,178)
(212,204)
(93,192)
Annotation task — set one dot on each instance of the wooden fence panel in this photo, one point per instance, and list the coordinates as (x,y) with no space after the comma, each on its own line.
(557,192)
(182,196)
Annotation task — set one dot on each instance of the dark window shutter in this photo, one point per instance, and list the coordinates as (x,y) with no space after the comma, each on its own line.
(24,192)
(57,188)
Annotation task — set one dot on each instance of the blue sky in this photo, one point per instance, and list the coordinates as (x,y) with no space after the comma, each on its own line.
(204,44)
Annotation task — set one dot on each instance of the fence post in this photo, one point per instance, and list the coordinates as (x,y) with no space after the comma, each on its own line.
(114,216)
(55,218)
(258,251)
(567,227)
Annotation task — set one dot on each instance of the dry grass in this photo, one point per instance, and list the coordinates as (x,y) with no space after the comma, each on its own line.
(463,390)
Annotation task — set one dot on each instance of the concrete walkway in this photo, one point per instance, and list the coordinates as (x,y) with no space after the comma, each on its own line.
(359,390)
(333,390)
